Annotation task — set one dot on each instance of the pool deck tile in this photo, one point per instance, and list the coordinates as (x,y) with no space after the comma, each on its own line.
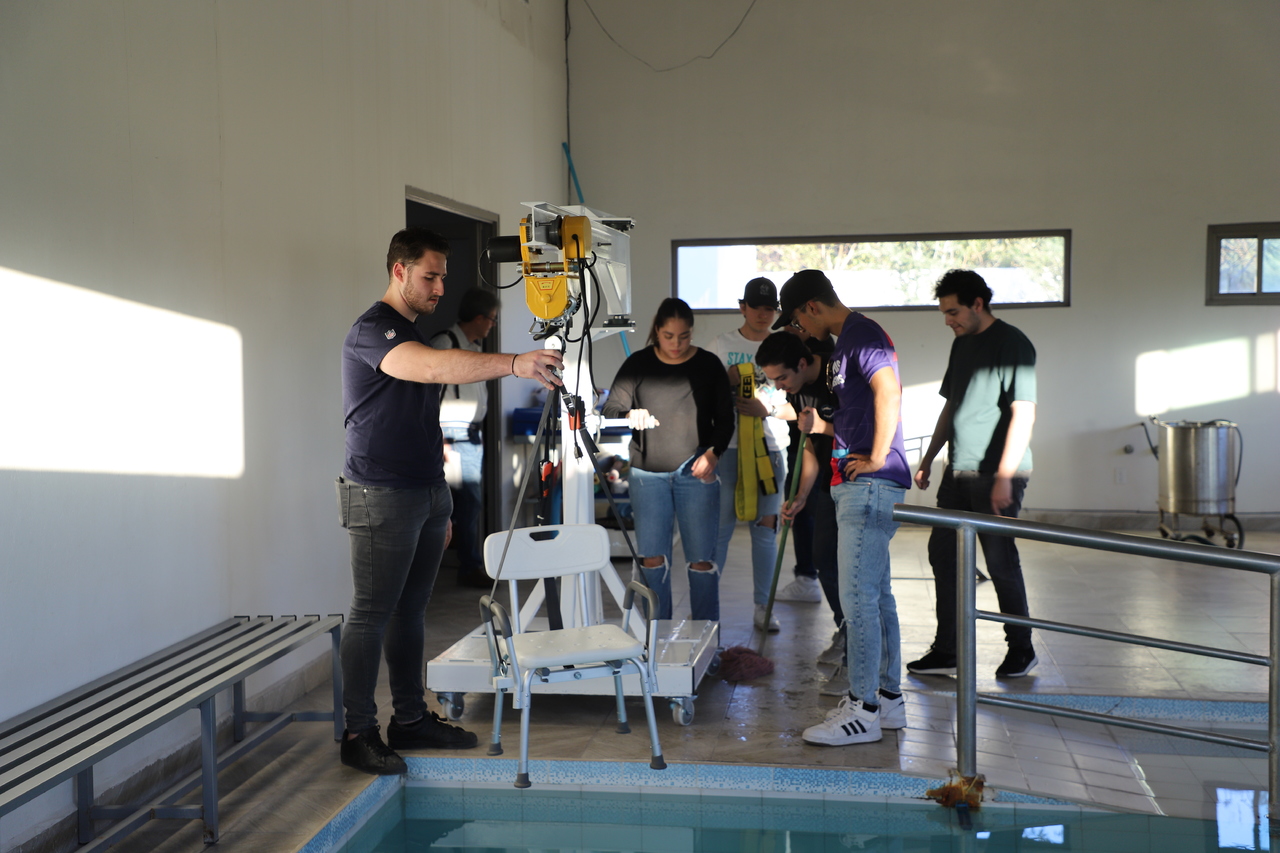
(745,736)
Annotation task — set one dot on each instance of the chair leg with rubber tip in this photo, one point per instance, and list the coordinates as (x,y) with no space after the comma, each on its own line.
(522,770)
(623,727)
(656,762)
(495,746)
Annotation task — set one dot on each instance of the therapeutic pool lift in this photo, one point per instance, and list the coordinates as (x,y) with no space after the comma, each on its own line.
(574,267)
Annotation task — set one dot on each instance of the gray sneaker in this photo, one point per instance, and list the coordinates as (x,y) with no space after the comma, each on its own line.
(834,653)
(837,683)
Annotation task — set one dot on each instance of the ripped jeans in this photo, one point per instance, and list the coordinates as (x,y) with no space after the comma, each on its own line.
(658,500)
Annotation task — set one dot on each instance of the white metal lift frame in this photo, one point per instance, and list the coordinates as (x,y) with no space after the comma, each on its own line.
(687,648)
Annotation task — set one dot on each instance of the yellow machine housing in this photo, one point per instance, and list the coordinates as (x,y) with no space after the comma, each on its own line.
(547,282)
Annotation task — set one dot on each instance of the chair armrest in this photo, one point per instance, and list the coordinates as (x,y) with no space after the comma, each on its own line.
(491,612)
(635,588)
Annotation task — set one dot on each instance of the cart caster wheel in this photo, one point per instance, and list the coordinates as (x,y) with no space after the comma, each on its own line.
(1234,540)
(682,711)
(713,668)
(454,705)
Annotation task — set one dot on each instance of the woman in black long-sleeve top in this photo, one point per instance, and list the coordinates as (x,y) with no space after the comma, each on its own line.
(677,402)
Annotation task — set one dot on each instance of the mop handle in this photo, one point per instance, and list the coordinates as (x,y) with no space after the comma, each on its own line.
(782,540)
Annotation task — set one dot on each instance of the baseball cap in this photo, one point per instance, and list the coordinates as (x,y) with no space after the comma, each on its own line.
(799,289)
(760,293)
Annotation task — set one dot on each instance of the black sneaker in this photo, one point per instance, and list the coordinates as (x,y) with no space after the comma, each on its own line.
(1017,663)
(366,752)
(431,732)
(934,663)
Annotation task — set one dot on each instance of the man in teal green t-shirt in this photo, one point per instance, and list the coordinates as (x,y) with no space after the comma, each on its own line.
(990,388)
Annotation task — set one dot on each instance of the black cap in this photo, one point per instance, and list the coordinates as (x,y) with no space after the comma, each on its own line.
(760,293)
(799,289)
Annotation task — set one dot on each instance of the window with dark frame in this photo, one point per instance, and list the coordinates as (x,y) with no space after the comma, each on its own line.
(886,272)
(1243,264)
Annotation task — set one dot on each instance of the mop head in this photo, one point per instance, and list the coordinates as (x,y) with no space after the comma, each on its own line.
(739,663)
(959,791)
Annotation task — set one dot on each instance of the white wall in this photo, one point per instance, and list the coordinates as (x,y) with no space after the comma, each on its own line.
(242,162)
(1134,124)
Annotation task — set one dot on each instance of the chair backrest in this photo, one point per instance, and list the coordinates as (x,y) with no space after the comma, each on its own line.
(552,550)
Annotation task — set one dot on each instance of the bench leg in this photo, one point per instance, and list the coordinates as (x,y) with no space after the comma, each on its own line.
(209,768)
(84,805)
(338,722)
(237,711)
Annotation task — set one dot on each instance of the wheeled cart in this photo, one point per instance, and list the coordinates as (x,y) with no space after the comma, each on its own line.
(1196,479)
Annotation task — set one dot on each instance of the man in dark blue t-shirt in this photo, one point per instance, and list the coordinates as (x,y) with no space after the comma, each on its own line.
(393,499)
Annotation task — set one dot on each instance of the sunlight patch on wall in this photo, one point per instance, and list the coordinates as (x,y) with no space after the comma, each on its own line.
(1167,380)
(921,406)
(1266,377)
(95,383)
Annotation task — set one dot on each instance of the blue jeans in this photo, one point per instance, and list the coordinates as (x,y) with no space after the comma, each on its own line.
(467,501)
(864,513)
(658,499)
(397,537)
(764,540)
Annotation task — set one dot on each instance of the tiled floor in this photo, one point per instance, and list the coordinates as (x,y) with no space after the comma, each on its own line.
(275,799)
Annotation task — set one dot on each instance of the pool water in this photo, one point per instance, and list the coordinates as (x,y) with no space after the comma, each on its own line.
(430,818)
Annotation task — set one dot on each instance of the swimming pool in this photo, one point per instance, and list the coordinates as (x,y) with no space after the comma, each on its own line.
(397,816)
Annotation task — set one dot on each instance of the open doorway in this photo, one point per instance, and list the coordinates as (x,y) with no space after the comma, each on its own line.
(468,231)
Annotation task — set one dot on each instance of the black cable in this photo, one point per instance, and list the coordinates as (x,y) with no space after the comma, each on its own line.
(711,55)
(568,103)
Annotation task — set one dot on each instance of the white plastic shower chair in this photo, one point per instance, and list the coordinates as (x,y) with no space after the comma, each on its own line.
(523,661)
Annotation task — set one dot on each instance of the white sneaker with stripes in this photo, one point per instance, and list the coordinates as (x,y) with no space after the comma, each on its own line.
(893,712)
(849,724)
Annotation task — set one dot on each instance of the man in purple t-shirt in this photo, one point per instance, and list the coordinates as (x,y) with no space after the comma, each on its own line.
(393,500)
(869,474)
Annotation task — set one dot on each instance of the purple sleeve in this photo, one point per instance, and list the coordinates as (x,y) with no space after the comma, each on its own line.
(873,351)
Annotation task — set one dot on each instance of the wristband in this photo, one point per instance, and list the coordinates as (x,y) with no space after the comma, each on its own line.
(513,364)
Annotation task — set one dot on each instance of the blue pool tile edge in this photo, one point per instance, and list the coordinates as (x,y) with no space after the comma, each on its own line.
(704,779)
(354,814)
(1201,710)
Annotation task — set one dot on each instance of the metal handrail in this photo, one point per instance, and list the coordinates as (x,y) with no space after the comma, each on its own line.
(969,524)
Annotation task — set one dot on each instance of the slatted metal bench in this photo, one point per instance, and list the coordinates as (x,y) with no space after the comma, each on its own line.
(66,737)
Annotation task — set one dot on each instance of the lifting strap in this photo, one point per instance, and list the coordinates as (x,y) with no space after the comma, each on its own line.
(755,472)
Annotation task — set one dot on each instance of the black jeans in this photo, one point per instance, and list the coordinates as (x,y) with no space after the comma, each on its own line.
(397,537)
(972,493)
(826,548)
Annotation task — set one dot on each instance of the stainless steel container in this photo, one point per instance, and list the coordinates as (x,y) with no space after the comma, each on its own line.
(1198,467)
